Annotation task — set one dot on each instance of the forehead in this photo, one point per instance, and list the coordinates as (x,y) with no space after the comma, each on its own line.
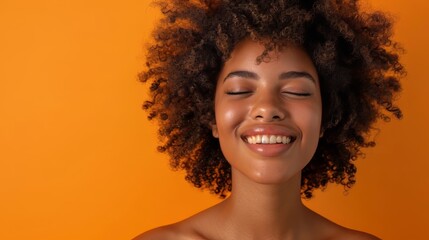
(290,58)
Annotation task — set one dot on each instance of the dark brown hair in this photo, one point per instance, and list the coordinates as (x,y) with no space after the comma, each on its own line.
(353,51)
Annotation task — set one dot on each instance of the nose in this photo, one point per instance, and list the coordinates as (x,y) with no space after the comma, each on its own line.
(268,108)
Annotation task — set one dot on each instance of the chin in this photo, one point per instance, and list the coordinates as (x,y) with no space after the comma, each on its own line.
(272,176)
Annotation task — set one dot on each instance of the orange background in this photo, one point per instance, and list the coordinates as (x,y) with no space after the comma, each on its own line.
(78,158)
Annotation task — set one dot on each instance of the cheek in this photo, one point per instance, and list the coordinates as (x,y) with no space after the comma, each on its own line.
(311,117)
(228,116)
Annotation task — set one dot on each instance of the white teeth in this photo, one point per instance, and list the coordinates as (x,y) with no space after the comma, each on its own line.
(268,139)
(265,139)
(285,140)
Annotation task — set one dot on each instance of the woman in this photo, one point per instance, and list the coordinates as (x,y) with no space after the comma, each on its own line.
(264,102)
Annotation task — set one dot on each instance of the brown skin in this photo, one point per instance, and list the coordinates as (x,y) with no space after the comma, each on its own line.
(199,227)
(268,99)
(265,202)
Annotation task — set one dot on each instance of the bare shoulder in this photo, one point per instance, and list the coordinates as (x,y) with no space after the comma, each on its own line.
(343,233)
(328,230)
(197,227)
(350,234)
(178,231)
(160,233)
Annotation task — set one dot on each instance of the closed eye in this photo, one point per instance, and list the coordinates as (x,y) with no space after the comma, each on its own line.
(238,92)
(299,94)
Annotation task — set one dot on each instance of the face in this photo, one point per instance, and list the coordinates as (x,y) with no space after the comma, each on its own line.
(268,115)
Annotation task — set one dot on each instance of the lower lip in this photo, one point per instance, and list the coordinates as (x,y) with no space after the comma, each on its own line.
(269,150)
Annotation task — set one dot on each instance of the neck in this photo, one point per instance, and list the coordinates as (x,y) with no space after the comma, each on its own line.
(265,210)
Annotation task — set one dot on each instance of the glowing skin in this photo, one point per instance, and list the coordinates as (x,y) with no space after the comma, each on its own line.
(268,120)
(268,115)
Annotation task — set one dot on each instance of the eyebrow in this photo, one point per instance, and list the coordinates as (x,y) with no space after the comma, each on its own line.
(282,76)
(296,74)
(243,74)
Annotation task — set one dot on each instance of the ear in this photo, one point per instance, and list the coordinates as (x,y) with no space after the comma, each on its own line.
(215,131)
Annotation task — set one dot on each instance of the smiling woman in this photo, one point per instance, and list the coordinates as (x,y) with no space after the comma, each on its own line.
(264,103)
(258,104)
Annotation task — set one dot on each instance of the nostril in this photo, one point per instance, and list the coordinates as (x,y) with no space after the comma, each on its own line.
(267,113)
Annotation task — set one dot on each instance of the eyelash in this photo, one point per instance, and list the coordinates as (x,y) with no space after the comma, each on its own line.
(298,94)
(238,93)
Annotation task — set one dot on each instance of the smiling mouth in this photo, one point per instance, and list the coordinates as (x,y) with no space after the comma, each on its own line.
(269,139)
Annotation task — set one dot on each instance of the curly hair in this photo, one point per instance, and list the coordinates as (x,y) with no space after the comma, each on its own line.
(353,52)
